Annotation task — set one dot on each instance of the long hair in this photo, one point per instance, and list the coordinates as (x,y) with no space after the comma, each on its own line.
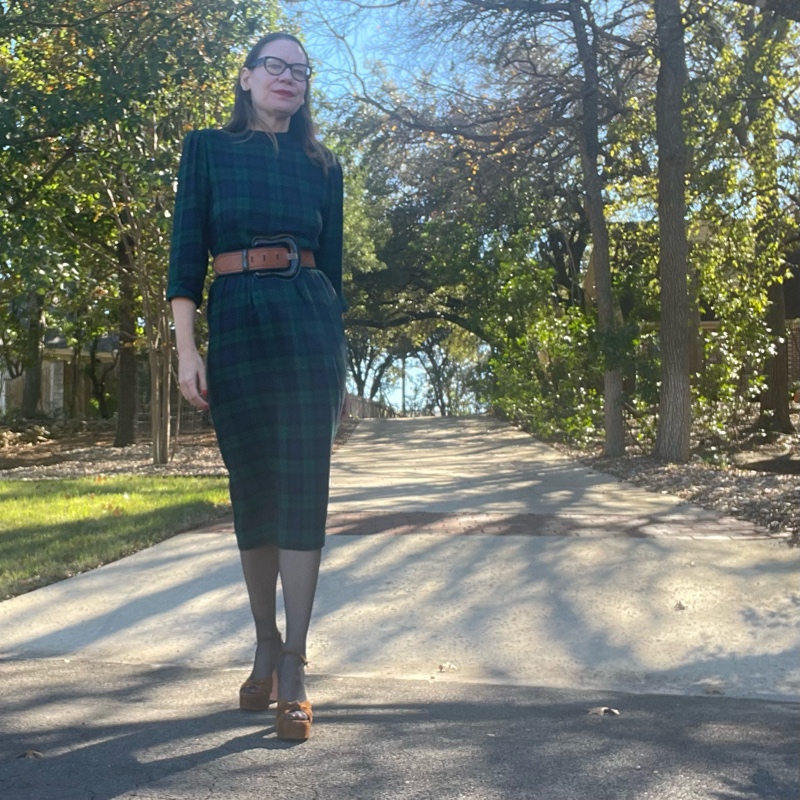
(301,124)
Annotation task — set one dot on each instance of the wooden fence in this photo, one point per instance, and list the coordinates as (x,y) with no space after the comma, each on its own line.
(187,419)
(368,409)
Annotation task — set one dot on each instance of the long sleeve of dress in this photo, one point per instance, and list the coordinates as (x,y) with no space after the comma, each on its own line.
(188,262)
(329,255)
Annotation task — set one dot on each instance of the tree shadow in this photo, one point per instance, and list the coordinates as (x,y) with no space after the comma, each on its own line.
(108,732)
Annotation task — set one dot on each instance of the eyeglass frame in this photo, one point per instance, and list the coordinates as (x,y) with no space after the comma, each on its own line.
(262,61)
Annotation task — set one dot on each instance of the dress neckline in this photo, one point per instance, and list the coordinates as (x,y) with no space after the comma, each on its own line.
(274,133)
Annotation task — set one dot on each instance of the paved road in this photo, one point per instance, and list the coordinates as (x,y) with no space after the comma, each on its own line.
(480,593)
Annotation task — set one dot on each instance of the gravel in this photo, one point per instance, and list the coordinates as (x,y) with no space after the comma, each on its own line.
(187,460)
(133,460)
(770,500)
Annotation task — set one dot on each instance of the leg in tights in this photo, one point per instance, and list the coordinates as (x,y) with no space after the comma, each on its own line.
(299,570)
(260,568)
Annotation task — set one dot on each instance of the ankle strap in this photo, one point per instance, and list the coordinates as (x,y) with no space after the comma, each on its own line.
(284,651)
(276,637)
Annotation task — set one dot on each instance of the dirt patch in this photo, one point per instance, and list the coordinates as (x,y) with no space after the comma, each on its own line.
(51,451)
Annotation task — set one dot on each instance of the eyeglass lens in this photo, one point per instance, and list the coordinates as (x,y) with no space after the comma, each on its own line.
(276,66)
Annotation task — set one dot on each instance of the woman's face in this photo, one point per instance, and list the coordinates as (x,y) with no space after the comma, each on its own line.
(275,97)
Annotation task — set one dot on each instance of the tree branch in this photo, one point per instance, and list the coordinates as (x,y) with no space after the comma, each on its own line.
(396,322)
(789,9)
(525,6)
(46,175)
(75,23)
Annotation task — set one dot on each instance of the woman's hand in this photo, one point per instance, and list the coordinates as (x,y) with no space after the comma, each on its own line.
(192,378)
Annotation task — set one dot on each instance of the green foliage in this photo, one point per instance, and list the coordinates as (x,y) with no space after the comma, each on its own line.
(95,99)
(465,231)
(535,378)
(731,380)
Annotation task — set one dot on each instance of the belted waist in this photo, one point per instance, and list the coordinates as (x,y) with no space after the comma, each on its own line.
(256,258)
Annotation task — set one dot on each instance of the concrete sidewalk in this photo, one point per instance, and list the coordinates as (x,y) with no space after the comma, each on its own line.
(590,608)
(466,559)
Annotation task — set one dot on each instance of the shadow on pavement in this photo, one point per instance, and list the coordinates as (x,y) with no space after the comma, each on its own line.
(110,731)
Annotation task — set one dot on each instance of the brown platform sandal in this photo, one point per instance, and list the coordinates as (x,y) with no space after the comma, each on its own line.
(296,729)
(257,694)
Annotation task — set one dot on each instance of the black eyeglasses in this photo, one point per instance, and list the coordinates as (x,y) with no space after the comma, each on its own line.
(277,66)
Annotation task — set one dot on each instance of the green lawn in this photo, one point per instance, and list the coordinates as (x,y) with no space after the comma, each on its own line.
(50,530)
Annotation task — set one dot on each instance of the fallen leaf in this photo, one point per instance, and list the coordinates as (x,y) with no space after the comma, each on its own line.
(601,710)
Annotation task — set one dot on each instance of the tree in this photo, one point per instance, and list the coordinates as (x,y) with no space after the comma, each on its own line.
(556,98)
(34,336)
(674,418)
(450,360)
(789,9)
(588,52)
(764,82)
(98,98)
(744,68)
(493,128)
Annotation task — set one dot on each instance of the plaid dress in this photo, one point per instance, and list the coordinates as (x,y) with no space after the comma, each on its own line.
(276,354)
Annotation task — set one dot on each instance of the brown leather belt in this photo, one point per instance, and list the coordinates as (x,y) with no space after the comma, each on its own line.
(260,258)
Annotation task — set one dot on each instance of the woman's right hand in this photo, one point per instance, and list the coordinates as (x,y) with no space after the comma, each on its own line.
(192,378)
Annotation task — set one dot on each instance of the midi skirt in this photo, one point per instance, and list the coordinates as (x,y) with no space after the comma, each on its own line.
(276,386)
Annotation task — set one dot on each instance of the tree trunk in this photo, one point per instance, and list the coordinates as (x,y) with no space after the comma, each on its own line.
(98,381)
(355,361)
(377,377)
(75,377)
(675,409)
(178,411)
(775,412)
(764,63)
(126,401)
(31,394)
(595,211)
(696,347)
(78,343)
(360,381)
(160,383)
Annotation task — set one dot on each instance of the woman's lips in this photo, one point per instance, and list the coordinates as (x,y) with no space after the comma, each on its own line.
(284,93)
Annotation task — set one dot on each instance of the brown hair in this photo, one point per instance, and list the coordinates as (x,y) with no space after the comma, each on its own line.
(301,124)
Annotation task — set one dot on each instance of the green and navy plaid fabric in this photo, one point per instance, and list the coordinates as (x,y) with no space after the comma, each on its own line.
(276,354)
(233,188)
(276,378)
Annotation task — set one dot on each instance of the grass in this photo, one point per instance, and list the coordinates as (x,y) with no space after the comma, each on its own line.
(51,530)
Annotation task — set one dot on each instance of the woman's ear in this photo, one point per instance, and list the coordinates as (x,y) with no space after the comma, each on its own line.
(244,79)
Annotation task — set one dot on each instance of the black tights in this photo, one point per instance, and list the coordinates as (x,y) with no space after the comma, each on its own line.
(298,570)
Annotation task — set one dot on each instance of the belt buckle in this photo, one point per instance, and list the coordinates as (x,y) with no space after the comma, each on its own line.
(294,255)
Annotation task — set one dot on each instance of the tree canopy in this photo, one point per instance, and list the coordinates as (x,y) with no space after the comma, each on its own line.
(505,208)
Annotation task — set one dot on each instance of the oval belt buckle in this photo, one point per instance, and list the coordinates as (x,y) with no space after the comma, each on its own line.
(294,255)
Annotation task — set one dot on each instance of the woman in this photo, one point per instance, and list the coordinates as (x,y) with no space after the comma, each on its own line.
(265,199)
